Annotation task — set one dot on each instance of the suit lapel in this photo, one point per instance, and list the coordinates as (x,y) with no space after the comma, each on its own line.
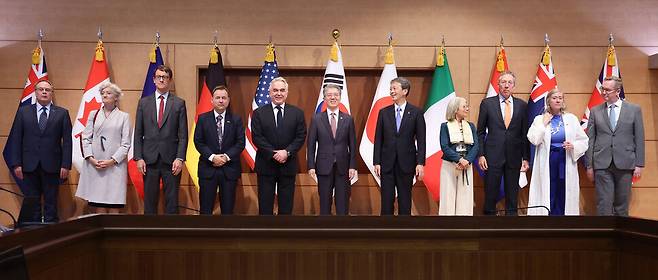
(227,129)
(622,115)
(33,117)
(406,115)
(498,110)
(324,119)
(51,117)
(168,104)
(341,123)
(606,118)
(151,109)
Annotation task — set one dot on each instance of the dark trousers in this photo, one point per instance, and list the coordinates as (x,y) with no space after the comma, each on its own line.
(392,180)
(492,188)
(613,190)
(170,184)
(285,187)
(36,184)
(334,185)
(208,190)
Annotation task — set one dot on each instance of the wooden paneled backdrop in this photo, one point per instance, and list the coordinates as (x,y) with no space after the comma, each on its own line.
(301,29)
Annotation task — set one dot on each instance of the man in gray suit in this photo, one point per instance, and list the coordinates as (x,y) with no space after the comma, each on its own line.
(161,142)
(333,136)
(616,149)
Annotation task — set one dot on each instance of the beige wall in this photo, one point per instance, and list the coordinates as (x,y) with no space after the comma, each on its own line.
(301,30)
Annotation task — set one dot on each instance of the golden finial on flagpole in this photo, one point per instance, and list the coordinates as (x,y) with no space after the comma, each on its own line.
(100,56)
(214,53)
(502,42)
(36,53)
(335,33)
(157,38)
(546,56)
(440,56)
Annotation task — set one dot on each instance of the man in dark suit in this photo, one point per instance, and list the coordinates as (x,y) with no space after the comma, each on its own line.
(333,136)
(161,142)
(399,148)
(219,138)
(278,131)
(616,149)
(505,149)
(42,153)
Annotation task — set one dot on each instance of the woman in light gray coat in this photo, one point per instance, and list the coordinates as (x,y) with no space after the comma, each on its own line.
(105,145)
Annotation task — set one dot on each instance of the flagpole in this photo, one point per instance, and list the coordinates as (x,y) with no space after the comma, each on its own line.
(157,38)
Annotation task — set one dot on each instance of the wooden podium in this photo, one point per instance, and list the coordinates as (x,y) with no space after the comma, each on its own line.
(309,247)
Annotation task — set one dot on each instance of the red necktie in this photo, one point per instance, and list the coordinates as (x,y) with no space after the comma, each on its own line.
(161,111)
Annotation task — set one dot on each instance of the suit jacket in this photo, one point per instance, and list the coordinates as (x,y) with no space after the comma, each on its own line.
(503,144)
(624,144)
(51,148)
(169,141)
(289,136)
(341,150)
(206,142)
(407,146)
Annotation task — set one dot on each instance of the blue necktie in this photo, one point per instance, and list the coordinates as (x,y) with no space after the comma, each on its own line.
(613,117)
(398,119)
(43,119)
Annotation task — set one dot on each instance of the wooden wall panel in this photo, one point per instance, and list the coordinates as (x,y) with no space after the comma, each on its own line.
(301,30)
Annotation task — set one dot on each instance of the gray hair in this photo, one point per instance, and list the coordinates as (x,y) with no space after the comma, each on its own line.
(404,84)
(453,107)
(507,73)
(279,79)
(618,82)
(114,89)
(334,86)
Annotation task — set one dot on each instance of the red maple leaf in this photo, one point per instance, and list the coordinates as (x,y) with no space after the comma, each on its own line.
(89,106)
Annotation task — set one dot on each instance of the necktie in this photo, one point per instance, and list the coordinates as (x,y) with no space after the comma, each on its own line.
(161,111)
(43,119)
(220,131)
(508,113)
(398,119)
(333,124)
(279,115)
(613,116)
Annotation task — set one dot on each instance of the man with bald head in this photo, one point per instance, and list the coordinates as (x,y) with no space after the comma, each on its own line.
(41,154)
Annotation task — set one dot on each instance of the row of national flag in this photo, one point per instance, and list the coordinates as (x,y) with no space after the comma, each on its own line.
(441,92)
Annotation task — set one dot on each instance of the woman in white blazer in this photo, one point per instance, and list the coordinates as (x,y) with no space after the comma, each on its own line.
(559,143)
(105,144)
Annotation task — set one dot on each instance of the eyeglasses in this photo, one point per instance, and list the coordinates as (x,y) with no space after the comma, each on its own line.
(607,90)
(162,77)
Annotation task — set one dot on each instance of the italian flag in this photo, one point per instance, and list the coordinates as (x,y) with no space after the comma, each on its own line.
(441,92)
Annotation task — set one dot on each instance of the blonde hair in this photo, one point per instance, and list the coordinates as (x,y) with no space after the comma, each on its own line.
(453,106)
(548,100)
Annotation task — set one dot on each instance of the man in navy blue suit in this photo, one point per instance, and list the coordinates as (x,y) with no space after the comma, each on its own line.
(42,153)
(219,138)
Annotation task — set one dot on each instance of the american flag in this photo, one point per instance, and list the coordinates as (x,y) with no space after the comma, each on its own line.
(269,71)
(37,72)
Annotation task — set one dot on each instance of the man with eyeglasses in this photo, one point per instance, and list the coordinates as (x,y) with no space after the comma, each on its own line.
(616,149)
(41,154)
(160,142)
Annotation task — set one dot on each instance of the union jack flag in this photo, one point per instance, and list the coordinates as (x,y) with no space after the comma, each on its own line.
(37,72)
(269,71)
(610,68)
(545,81)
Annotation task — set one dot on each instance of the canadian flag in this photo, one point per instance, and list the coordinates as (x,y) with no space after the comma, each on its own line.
(382,99)
(91,100)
